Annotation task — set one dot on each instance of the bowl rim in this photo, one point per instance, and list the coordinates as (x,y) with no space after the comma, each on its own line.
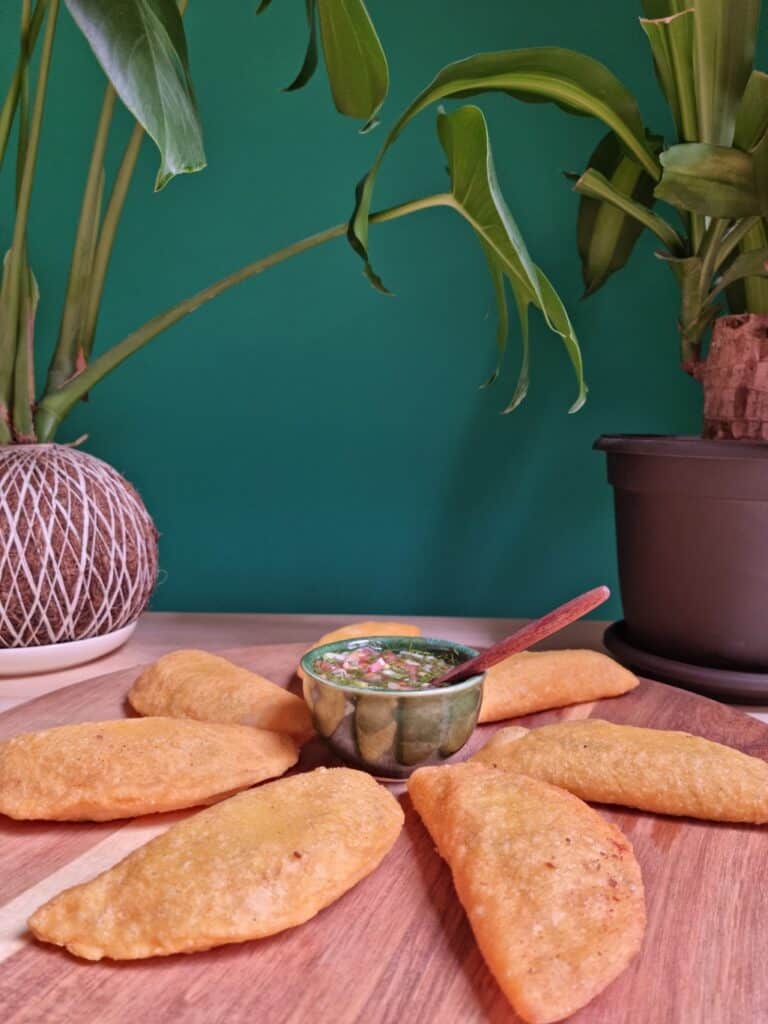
(351,642)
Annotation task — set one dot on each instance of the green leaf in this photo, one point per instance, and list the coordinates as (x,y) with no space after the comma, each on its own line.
(559,321)
(498,280)
(760,173)
(309,65)
(714,180)
(477,197)
(724,50)
(141,46)
(750,294)
(574,82)
(752,115)
(522,301)
(671,39)
(476,193)
(354,58)
(747,264)
(596,186)
(606,233)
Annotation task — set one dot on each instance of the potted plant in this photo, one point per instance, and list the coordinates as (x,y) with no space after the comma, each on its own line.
(691,513)
(78,551)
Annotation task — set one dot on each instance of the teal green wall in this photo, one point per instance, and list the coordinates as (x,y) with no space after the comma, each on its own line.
(304,443)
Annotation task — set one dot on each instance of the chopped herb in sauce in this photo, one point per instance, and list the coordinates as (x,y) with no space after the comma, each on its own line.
(380,668)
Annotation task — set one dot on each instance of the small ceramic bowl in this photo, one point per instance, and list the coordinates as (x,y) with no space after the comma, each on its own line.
(390,733)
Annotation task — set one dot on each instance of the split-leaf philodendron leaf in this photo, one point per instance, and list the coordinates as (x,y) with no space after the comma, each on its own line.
(354,57)
(576,83)
(141,46)
(475,194)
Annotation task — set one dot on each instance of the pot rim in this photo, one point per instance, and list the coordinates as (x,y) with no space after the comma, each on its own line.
(681,446)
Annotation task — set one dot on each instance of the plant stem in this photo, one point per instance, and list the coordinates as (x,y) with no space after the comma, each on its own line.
(709,253)
(68,355)
(12,96)
(23,97)
(54,406)
(16,262)
(108,230)
(24,366)
(106,238)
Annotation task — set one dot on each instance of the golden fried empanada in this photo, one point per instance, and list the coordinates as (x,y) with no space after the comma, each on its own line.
(552,891)
(97,771)
(652,769)
(370,628)
(539,680)
(196,684)
(251,866)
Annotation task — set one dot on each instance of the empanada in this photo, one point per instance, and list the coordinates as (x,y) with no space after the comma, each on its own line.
(196,684)
(651,769)
(256,864)
(97,771)
(369,628)
(552,891)
(539,680)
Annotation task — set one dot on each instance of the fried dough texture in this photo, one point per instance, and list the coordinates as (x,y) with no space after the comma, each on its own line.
(370,628)
(651,769)
(553,893)
(539,680)
(203,686)
(254,865)
(97,771)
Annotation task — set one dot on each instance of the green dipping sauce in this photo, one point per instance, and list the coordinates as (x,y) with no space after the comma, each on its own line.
(374,667)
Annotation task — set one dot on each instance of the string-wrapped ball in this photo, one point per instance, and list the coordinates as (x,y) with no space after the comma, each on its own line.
(78,549)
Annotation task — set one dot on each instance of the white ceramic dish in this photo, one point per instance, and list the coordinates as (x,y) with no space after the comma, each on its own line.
(23,661)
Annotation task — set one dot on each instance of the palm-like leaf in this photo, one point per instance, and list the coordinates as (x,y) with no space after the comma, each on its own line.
(717,181)
(752,115)
(672,43)
(749,294)
(606,232)
(724,50)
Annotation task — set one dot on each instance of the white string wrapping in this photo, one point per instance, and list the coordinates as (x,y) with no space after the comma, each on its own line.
(78,549)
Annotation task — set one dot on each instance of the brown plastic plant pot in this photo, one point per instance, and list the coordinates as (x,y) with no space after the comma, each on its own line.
(692,540)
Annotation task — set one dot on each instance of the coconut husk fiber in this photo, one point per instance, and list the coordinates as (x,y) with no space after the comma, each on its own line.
(78,549)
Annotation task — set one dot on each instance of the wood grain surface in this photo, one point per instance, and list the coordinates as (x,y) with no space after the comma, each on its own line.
(397,948)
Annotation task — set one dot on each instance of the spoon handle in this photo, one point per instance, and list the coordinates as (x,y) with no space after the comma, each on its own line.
(530,634)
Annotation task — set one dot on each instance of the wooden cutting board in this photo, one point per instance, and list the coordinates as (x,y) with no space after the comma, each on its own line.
(397,948)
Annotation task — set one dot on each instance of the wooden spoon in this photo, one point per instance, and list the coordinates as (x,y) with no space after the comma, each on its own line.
(526,637)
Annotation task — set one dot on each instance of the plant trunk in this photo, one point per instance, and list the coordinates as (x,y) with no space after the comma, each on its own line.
(735,379)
